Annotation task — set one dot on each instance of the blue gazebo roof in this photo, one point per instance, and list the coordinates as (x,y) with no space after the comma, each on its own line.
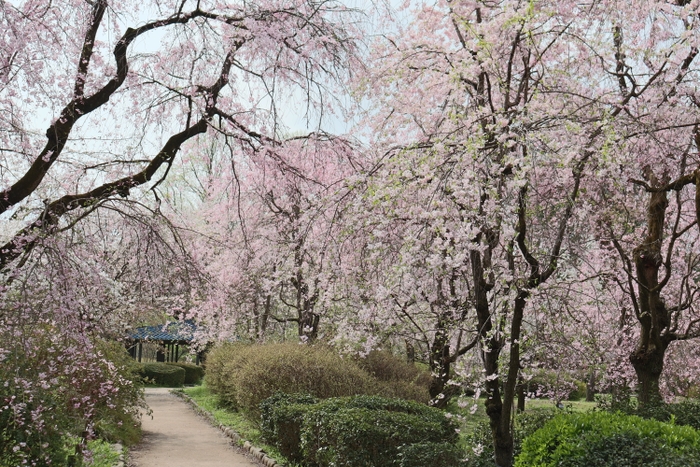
(174,331)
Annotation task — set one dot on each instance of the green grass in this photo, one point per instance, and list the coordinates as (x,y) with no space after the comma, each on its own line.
(247,429)
(102,454)
(469,421)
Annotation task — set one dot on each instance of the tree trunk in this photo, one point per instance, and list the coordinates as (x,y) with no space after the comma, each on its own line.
(410,352)
(308,325)
(520,389)
(440,367)
(652,314)
(648,364)
(491,350)
(590,387)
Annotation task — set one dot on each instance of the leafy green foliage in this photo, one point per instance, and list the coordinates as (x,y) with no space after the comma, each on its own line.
(43,418)
(163,374)
(367,431)
(17,443)
(479,440)
(686,412)
(357,431)
(396,377)
(599,439)
(119,421)
(102,454)
(245,375)
(193,373)
(281,417)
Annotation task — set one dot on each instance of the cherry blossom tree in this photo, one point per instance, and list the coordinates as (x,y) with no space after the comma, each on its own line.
(80,65)
(654,235)
(265,231)
(514,110)
(97,100)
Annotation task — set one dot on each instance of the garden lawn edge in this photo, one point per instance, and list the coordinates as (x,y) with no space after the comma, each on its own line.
(119,448)
(256,452)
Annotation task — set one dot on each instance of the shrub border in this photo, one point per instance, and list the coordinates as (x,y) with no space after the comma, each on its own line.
(256,452)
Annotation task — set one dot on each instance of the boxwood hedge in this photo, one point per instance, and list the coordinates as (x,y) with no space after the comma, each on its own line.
(163,374)
(600,439)
(359,431)
(193,373)
(281,419)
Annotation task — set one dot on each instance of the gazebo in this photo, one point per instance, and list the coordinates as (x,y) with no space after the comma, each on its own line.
(170,336)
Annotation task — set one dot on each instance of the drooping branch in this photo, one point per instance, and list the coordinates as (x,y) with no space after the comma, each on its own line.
(28,237)
(59,131)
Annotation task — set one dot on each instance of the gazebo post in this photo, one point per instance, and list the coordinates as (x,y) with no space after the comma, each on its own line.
(140,350)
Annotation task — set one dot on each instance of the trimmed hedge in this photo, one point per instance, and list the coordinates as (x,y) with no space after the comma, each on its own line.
(193,373)
(281,419)
(163,374)
(359,431)
(599,439)
(245,375)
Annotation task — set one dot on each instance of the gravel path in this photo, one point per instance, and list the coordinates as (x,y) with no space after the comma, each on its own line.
(177,437)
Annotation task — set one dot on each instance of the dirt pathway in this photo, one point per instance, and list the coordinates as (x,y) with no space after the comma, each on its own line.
(177,437)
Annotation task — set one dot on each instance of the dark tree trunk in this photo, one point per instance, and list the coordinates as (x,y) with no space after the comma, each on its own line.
(308,325)
(652,314)
(648,364)
(499,415)
(590,387)
(410,352)
(440,367)
(520,389)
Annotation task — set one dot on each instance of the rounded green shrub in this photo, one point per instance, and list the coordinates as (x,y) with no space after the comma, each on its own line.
(368,431)
(396,377)
(163,374)
(600,439)
(193,373)
(244,376)
(281,418)
(579,392)
(223,364)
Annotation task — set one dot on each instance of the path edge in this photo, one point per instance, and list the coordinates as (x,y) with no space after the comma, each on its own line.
(228,432)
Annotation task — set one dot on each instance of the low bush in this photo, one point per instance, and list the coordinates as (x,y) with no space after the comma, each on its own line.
(281,418)
(244,376)
(556,385)
(119,420)
(57,392)
(396,377)
(479,441)
(430,454)
(368,431)
(680,413)
(223,364)
(599,439)
(163,374)
(579,392)
(193,373)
